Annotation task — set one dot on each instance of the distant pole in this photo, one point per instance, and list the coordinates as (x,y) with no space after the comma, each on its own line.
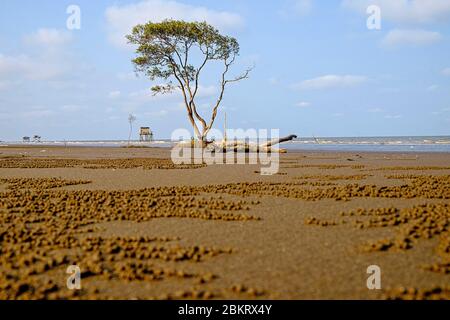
(131,119)
(225,128)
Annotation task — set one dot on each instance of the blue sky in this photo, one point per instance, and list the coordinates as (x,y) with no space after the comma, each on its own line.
(318,69)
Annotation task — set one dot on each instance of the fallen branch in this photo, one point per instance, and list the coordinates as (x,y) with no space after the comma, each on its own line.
(239,146)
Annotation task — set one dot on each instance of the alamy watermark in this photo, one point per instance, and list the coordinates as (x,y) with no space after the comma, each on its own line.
(235,146)
(374,280)
(74,279)
(374,20)
(73,21)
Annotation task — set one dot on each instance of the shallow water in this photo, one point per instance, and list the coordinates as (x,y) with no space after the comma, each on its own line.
(361,144)
(374,144)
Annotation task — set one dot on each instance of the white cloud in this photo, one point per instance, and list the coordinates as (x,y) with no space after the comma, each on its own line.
(273,80)
(432,88)
(121,19)
(395,116)
(406,11)
(375,110)
(114,94)
(24,111)
(48,37)
(37,113)
(6,116)
(446,72)
(30,68)
(146,95)
(303,7)
(330,82)
(414,37)
(158,114)
(72,108)
(126,76)
(389,90)
(207,91)
(441,112)
(226,108)
(49,62)
(7,84)
(204,106)
(4,85)
(10,64)
(296,8)
(302,104)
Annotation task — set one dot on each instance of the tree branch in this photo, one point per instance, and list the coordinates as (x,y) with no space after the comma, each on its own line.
(224,82)
(193,94)
(188,107)
(242,76)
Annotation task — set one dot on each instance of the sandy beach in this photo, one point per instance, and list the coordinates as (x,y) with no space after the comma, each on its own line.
(140,227)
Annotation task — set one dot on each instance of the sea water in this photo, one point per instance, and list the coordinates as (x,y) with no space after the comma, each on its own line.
(362,144)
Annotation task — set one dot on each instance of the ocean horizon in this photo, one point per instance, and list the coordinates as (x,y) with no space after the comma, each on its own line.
(362,144)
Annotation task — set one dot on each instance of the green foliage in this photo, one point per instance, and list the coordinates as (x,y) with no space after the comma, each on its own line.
(163,46)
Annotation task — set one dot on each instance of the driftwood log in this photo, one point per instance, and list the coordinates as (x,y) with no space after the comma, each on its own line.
(242,146)
(239,146)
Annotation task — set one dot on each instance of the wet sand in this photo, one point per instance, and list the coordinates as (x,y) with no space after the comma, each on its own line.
(140,227)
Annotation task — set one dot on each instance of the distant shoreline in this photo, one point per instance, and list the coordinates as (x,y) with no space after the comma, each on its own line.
(419,144)
(291,149)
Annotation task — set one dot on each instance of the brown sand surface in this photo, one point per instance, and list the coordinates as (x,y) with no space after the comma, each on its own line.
(140,227)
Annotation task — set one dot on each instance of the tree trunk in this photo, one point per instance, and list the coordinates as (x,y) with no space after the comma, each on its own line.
(129,135)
